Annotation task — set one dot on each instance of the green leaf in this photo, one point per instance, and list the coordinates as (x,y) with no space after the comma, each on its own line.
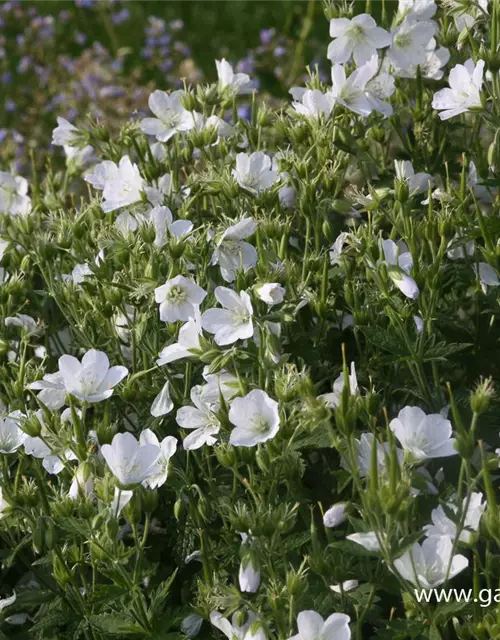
(115,624)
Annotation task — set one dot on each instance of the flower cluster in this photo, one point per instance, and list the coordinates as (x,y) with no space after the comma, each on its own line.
(248,366)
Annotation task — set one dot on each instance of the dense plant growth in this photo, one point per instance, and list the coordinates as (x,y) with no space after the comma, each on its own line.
(249,365)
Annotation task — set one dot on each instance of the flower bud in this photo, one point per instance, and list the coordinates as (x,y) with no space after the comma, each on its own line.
(188,100)
(249,576)
(179,508)
(335,515)
(294,582)
(480,399)
(402,190)
(149,499)
(226,455)
(132,511)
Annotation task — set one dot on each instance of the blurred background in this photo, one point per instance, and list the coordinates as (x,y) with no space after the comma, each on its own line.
(103,57)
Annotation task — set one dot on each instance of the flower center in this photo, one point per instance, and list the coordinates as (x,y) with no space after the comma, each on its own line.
(261,425)
(240,316)
(357,33)
(403,40)
(177,295)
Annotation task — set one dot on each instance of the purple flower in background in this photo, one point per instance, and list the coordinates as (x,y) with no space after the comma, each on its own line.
(182,48)
(246,65)
(266,35)
(244,112)
(121,16)
(166,65)
(80,38)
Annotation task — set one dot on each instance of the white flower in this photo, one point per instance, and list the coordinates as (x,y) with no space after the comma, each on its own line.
(159,473)
(271,292)
(466,20)
(419,323)
(79,273)
(256,418)
(25,322)
(417,182)
(36,447)
(162,404)
(13,198)
(426,566)
(368,540)
(65,134)
(234,83)
(254,172)
(359,38)
(311,626)
(92,379)
(171,116)
(82,483)
(404,283)
(458,249)
(162,188)
(130,461)
(231,253)
(191,625)
(3,505)
(409,43)
(122,321)
(400,264)
(363,448)
(233,631)
(121,184)
(189,338)
(397,255)
(465,90)
(423,436)
(380,87)
(201,418)
(163,222)
(6,602)
(432,68)
(224,130)
(348,585)
(179,298)
(221,383)
(232,323)
(487,275)
(11,436)
(248,577)
(121,499)
(101,173)
(337,247)
(335,515)
(351,91)
(332,400)
(314,103)
(52,390)
(54,464)
(77,158)
(416,9)
(3,247)
(483,193)
(442,525)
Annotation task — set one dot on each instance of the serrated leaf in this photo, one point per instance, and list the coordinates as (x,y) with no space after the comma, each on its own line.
(115,624)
